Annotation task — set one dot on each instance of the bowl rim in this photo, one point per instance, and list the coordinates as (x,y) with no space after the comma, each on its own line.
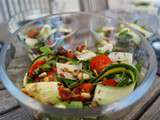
(31,21)
(124,103)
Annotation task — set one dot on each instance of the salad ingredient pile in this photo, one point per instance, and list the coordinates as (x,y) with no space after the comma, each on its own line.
(41,40)
(82,77)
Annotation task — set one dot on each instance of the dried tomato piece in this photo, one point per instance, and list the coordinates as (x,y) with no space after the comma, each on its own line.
(52,71)
(109,82)
(70,54)
(65,94)
(80,48)
(33,33)
(87,87)
(36,65)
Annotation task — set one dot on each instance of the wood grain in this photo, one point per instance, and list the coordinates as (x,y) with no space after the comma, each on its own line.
(17,114)
(153,113)
(1,86)
(146,101)
(7,102)
(19,62)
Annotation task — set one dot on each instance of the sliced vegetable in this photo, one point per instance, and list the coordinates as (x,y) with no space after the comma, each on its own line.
(46,92)
(139,65)
(85,55)
(33,33)
(65,30)
(122,57)
(87,87)
(45,67)
(46,31)
(74,104)
(66,59)
(141,29)
(31,42)
(100,62)
(119,68)
(107,94)
(70,55)
(106,31)
(36,65)
(109,82)
(52,71)
(68,82)
(42,57)
(45,50)
(127,34)
(104,46)
(65,93)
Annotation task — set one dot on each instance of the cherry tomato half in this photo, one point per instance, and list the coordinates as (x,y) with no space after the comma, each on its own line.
(99,62)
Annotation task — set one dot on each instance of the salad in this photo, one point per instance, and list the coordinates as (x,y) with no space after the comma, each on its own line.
(83,77)
(40,40)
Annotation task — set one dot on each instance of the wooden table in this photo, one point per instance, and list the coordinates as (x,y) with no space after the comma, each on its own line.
(147,109)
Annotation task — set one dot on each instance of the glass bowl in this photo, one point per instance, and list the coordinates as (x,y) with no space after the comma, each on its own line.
(86,30)
(52,30)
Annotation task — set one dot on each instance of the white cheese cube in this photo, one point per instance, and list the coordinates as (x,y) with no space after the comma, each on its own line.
(31,41)
(123,57)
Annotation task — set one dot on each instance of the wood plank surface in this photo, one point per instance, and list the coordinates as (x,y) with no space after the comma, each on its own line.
(1,86)
(146,101)
(17,114)
(153,113)
(19,62)
(7,102)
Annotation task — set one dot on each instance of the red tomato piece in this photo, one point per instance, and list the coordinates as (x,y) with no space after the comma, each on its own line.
(35,66)
(99,62)
(37,79)
(87,87)
(64,94)
(109,82)
(70,55)
(33,33)
(52,71)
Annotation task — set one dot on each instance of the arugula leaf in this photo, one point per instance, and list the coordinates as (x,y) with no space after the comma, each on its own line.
(123,32)
(45,49)
(86,65)
(52,62)
(68,82)
(46,67)
(66,59)
(139,65)
(71,83)
(39,44)
(29,80)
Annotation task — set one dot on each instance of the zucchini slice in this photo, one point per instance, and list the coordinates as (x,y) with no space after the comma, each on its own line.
(119,68)
(43,57)
(46,92)
(107,94)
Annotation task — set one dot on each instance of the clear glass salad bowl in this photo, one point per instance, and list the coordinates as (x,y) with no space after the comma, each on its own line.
(86,29)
